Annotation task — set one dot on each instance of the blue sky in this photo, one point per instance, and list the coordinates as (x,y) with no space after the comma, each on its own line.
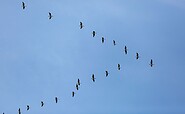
(41,58)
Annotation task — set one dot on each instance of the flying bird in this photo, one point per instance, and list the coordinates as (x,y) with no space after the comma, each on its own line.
(78,81)
(50,15)
(73,94)
(28,107)
(102,39)
(114,42)
(119,67)
(137,55)
(126,49)
(42,103)
(81,25)
(151,63)
(77,87)
(19,111)
(106,73)
(56,100)
(93,78)
(93,33)
(23,5)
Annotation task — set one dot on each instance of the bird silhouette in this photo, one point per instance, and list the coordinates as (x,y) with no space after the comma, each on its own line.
(23,5)
(19,111)
(73,93)
(106,73)
(42,103)
(56,100)
(126,49)
(93,78)
(28,107)
(81,25)
(119,67)
(78,82)
(93,33)
(114,42)
(151,63)
(50,15)
(77,87)
(137,55)
(102,39)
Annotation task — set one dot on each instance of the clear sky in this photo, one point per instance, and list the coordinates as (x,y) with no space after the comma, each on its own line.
(42,58)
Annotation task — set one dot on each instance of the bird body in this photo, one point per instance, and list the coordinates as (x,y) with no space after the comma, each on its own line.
(50,15)
(78,82)
(137,55)
(93,78)
(151,63)
(28,107)
(102,39)
(119,67)
(81,25)
(77,87)
(73,93)
(126,49)
(93,33)
(42,103)
(19,111)
(56,100)
(106,73)
(23,5)
(114,42)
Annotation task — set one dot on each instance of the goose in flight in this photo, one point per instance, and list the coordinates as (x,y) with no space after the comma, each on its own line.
(126,49)
(50,15)
(102,39)
(151,63)
(119,67)
(77,87)
(106,73)
(73,94)
(93,78)
(42,103)
(23,5)
(137,55)
(93,33)
(81,25)
(56,100)
(78,81)
(28,107)
(19,111)
(114,42)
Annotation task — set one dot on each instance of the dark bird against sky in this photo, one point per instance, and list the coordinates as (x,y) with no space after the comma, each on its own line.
(50,15)
(93,33)
(93,78)
(23,5)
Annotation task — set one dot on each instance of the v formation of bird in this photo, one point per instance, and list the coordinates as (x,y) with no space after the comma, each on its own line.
(93,76)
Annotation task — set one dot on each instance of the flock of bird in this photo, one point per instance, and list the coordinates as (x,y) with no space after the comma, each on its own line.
(93,76)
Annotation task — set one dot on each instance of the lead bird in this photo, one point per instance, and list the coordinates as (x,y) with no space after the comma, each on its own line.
(119,67)
(28,107)
(50,15)
(126,49)
(137,55)
(81,25)
(106,73)
(56,100)
(151,63)
(78,82)
(93,33)
(93,78)
(42,103)
(23,5)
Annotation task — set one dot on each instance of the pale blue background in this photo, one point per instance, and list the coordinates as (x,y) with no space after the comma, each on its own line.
(41,58)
